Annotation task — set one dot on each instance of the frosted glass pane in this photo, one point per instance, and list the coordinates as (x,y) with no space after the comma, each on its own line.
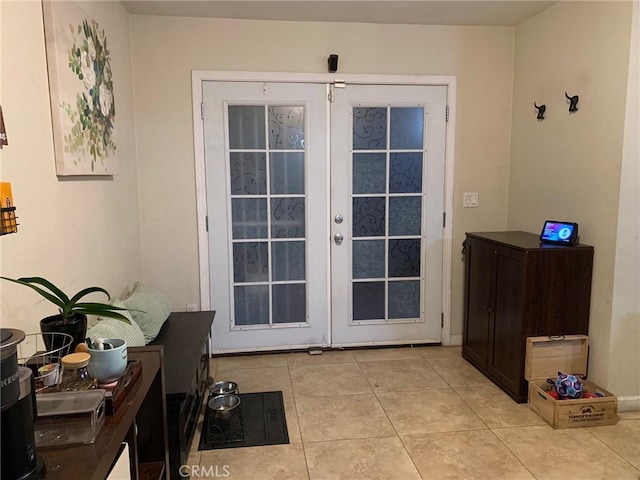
(369,128)
(287,218)
(405,215)
(404,299)
(249,217)
(248,173)
(251,305)
(369,172)
(407,128)
(404,258)
(368,216)
(290,303)
(405,172)
(286,128)
(287,173)
(250,262)
(368,301)
(246,127)
(368,259)
(288,260)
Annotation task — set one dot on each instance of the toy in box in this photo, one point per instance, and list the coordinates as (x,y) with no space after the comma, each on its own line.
(546,358)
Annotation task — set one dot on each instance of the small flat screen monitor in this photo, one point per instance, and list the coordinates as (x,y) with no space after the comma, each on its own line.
(559,233)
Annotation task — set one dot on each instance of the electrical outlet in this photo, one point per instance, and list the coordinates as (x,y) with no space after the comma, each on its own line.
(192,307)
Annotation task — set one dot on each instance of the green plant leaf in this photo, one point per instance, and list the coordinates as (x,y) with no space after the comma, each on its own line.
(59,300)
(87,291)
(105,313)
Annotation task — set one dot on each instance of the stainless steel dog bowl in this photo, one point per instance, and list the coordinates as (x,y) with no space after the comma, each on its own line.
(223,388)
(223,406)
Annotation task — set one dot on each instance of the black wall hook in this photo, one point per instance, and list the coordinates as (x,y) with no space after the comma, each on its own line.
(573,102)
(541,110)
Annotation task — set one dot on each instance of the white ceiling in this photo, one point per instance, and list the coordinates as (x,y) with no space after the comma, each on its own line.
(420,12)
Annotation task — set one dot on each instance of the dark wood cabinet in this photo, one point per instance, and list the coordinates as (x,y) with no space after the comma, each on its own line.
(185,338)
(516,288)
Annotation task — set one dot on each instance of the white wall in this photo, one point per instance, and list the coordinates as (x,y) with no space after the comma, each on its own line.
(567,167)
(77,232)
(166,49)
(624,350)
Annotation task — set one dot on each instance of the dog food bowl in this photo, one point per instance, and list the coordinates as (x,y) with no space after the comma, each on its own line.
(224,388)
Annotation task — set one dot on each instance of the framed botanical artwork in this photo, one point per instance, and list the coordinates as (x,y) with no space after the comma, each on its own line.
(81,89)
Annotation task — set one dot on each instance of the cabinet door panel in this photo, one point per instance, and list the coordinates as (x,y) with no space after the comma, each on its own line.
(506,330)
(480,278)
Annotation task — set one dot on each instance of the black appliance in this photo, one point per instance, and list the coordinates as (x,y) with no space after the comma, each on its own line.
(18,458)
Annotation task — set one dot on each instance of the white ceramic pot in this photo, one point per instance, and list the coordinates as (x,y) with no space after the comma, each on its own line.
(108,365)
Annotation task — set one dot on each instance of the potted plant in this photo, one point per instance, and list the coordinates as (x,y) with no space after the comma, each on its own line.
(72,316)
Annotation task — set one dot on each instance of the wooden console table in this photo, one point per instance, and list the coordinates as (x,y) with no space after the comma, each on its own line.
(141,421)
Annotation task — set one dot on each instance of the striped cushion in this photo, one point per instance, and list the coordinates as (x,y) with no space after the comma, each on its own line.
(149,309)
(114,328)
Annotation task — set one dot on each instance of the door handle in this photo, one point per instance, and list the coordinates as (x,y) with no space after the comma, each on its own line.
(338,238)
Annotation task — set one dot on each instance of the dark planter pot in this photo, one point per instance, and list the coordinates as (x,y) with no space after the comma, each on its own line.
(75,326)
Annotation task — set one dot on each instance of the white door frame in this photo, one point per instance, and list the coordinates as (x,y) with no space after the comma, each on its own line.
(198,76)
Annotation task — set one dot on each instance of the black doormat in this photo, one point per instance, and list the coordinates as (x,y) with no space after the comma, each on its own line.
(260,420)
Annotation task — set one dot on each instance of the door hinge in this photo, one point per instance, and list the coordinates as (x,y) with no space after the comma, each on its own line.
(206,223)
(447,114)
(444,219)
(441,320)
(334,85)
(202,110)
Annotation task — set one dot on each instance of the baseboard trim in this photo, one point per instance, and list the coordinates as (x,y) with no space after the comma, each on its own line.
(629,404)
(455,340)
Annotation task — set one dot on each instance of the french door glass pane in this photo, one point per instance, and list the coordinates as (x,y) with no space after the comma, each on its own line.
(387,205)
(251,305)
(289,303)
(407,128)
(368,259)
(267,188)
(404,299)
(369,128)
(249,217)
(286,128)
(248,173)
(250,262)
(405,175)
(288,260)
(368,301)
(287,173)
(369,173)
(287,217)
(246,127)
(404,258)
(405,216)
(368,216)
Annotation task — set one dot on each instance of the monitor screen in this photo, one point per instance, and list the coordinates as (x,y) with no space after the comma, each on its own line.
(563,233)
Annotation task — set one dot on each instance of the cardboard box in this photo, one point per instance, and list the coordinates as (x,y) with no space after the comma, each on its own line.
(546,356)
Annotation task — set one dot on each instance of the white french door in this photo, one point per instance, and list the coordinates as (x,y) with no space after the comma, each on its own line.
(266,162)
(325,217)
(387,194)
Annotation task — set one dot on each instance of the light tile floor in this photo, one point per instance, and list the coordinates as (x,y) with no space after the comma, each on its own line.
(407,413)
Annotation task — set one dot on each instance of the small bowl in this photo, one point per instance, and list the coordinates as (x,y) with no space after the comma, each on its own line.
(223,406)
(223,388)
(109,365)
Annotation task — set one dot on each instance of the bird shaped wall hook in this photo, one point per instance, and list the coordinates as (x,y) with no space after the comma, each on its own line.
(541,109)
(573,102)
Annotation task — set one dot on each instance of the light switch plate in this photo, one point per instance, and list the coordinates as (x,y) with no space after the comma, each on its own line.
(470,199)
